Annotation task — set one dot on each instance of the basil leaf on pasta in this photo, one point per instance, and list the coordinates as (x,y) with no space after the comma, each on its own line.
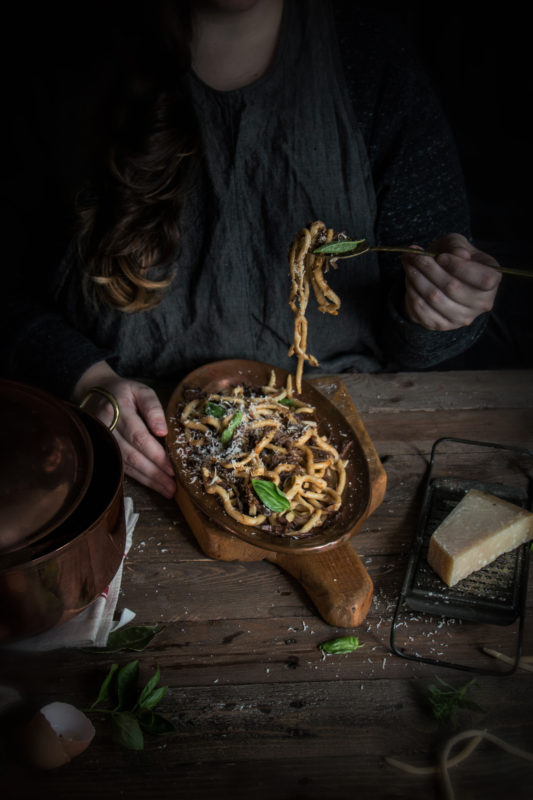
(214,410)
(270,495)
(227,433)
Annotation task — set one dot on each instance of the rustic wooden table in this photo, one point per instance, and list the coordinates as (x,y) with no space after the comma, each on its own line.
(259,712)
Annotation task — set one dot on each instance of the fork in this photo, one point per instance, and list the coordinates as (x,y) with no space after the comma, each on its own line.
(348,248)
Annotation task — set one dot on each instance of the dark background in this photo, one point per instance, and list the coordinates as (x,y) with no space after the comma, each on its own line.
(479,59)
(69,63)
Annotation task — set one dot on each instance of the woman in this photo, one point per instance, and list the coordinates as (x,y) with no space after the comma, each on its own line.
(272,114)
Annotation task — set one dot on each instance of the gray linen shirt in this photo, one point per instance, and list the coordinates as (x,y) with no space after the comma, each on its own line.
(277,154)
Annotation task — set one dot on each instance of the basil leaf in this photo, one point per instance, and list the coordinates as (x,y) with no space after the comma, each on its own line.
(214,410)
(228,432)
(149,688)
(344,644)
(338,248)
(286,401)
(150,700)
(136,638)
(270,495)
(445,701)
(127,731)
(155,723)
(107,692)
(127,685)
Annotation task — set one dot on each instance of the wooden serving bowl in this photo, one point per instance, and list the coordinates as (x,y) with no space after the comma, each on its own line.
(324,561)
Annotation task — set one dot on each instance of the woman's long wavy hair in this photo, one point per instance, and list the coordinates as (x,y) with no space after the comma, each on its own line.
(127,231)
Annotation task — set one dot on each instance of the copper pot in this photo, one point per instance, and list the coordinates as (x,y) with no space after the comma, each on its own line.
(54,578)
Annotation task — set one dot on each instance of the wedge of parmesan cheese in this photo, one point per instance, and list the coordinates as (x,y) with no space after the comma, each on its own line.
(479,529)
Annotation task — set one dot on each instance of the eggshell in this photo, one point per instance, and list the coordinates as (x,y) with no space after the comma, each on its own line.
(41,745)
(56,734)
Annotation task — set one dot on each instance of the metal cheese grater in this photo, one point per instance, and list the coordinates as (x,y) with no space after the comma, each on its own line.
(494,595)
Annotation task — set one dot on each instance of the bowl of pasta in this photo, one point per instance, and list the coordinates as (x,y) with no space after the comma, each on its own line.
(281,470)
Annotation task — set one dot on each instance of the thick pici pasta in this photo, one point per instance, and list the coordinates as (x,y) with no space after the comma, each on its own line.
(259,450)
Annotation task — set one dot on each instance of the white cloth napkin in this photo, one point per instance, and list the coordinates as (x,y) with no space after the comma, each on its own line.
(92,626)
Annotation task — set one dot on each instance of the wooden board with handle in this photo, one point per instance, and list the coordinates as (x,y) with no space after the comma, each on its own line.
(335,579)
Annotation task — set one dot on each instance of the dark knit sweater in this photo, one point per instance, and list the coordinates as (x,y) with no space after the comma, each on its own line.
(419,195)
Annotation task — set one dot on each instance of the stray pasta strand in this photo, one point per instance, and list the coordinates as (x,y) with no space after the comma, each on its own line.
(412,769)
(525,662)
(445,762)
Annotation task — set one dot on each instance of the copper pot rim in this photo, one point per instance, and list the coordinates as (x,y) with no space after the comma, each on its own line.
(62,415)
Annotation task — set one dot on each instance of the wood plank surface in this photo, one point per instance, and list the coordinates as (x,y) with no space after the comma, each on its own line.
(427,391)
(259,711)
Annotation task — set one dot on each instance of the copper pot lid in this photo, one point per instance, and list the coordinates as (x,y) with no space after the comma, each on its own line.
(46,464)
(100,497)
(222,375)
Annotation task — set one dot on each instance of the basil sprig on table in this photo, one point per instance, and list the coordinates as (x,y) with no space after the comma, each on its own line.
(227,433)
(344,644)
(339,248)
(131,709)
(271,495)
(137,637)
(445,700)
